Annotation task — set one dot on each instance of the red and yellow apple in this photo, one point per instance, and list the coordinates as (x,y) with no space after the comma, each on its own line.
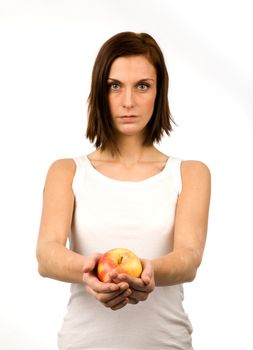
(120,260)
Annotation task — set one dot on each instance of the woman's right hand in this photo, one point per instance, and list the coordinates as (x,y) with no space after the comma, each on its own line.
(111,295)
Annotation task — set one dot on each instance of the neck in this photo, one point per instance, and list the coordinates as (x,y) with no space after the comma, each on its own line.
(131,150)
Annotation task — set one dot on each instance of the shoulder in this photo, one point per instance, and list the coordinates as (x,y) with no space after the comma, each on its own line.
(65,164)
(62,170)
(195,172)
(195,166)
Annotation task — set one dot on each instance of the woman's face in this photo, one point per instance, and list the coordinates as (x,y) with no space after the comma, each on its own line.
(132,93)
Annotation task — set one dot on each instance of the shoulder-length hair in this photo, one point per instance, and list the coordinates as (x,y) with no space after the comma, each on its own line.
(100,129)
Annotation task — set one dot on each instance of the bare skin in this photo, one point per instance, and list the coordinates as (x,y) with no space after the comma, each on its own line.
(129,96)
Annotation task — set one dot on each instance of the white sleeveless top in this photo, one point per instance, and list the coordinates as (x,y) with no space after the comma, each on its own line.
(138,215)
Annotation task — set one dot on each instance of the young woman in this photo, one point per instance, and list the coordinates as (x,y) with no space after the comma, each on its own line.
(125,194)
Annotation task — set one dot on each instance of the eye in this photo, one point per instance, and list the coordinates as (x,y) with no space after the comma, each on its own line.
(114,86)
(143,86)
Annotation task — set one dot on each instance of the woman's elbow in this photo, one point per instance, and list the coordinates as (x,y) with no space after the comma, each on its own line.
(192,272)
(191,275)
(41,265)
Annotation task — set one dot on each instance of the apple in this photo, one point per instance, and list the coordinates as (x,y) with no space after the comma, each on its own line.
(121,260)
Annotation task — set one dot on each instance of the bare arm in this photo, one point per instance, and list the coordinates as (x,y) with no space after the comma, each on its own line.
(190,227)
(54,259)
(191,220)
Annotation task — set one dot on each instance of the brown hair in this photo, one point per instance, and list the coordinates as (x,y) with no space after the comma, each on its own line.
(100,129)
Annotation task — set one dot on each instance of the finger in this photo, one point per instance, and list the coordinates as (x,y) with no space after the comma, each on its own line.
(147,271)
(118,299)
(132,301)
(109,299)
(114,276)
(99,287)
(102,297)
(139,296)
(133,282)
(90,291)
(120,305)
(91,262)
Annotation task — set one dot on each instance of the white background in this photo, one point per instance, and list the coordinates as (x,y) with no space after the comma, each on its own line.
(47,52)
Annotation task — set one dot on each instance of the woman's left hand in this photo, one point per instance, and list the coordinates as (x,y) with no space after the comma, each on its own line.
(140,287)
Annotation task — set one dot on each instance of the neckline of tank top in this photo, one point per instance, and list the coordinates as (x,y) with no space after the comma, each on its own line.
(150,180)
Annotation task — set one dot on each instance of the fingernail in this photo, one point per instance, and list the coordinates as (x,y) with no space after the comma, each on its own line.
(124,286)
(114,288)
(128,292)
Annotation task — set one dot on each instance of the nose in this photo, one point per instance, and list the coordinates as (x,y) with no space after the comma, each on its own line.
(128,98)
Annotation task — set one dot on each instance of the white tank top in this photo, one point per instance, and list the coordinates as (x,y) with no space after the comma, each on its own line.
(139,216)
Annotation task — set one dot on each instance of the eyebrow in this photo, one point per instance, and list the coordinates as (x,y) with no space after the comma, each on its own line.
(144,79)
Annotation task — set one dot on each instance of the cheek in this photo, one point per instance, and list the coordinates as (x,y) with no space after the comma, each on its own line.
(111,104)
(150,103)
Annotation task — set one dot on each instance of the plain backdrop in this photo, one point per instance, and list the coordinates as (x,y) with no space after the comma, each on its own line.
(47,50)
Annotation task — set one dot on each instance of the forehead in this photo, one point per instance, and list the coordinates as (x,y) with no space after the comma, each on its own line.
(132,66)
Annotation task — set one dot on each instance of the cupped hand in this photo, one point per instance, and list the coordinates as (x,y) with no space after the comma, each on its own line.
(110,294)
(140,287)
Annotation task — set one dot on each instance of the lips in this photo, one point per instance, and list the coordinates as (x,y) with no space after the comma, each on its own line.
(128,118)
